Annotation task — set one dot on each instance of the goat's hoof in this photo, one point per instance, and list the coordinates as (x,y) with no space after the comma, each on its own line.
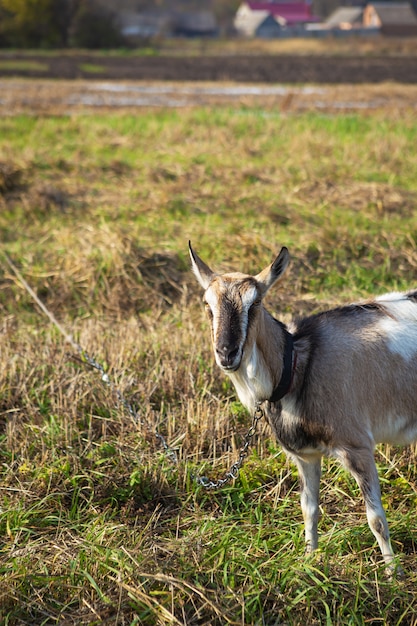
(394,571)
(309,549)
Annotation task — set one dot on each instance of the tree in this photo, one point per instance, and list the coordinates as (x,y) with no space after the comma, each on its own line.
(35,23)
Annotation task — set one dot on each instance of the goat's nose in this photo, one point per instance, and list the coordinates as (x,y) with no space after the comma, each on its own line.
(227,354)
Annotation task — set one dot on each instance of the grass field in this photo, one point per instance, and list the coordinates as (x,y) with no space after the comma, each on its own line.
(331,46)
(98,526)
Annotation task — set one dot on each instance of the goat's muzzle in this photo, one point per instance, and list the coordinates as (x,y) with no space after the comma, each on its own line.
(228,357)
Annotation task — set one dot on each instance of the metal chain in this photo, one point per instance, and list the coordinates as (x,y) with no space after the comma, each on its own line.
(203,481)
(233,472)
(85,358)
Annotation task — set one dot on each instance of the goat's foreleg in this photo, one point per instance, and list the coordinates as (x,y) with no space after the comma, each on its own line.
(309,473)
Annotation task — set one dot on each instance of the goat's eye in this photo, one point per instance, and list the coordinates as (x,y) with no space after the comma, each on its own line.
(253,308)
(208,310)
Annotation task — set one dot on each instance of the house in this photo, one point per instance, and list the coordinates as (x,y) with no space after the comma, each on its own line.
(153,23)
(144,25)
(259,24)
(396,19)
(345,18)
(262,19)
(387,18)
(195,24)
(270,26)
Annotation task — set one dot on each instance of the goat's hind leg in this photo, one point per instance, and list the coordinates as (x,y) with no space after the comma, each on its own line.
(361,463)
(309,473)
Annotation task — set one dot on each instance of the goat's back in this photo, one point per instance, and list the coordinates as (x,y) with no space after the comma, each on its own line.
(360,370)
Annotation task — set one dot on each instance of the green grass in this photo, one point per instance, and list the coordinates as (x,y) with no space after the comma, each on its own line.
(29,66)
(91,68)
(331,47)
(97,526)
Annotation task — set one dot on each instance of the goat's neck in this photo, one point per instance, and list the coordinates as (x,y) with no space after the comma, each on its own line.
(262,362)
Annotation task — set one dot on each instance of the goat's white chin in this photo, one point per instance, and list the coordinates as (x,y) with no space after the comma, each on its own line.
(230,368)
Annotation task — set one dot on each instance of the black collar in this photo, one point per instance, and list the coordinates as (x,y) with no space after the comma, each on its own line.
(284,384)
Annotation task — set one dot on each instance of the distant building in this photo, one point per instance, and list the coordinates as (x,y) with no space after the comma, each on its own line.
(144,25)
(268,19)
(259,24)
(396,19)
(154,23)
(345,18)
(195,24)
(388,18)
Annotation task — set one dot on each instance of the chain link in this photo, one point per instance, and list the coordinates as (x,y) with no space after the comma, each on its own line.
(85,358)
(233,472)
(203,481)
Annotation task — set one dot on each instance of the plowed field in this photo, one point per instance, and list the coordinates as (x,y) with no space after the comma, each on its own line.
(242,68)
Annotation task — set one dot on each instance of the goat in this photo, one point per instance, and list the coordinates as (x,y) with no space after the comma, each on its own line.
(336,384)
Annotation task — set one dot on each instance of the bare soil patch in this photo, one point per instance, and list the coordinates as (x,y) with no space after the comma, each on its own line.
(266,68)
(57,97)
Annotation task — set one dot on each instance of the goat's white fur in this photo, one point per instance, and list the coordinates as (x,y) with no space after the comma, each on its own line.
(354,380)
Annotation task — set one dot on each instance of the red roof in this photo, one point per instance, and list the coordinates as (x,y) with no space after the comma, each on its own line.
(292,12)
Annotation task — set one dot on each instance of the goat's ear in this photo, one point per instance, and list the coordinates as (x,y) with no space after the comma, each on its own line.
(202,271)
(271,274)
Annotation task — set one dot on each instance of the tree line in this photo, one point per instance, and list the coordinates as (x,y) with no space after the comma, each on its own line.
(57,24)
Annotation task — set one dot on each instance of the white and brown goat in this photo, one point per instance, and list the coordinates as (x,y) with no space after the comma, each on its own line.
(337,384)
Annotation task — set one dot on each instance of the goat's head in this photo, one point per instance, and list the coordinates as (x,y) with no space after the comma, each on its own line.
(233,303)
